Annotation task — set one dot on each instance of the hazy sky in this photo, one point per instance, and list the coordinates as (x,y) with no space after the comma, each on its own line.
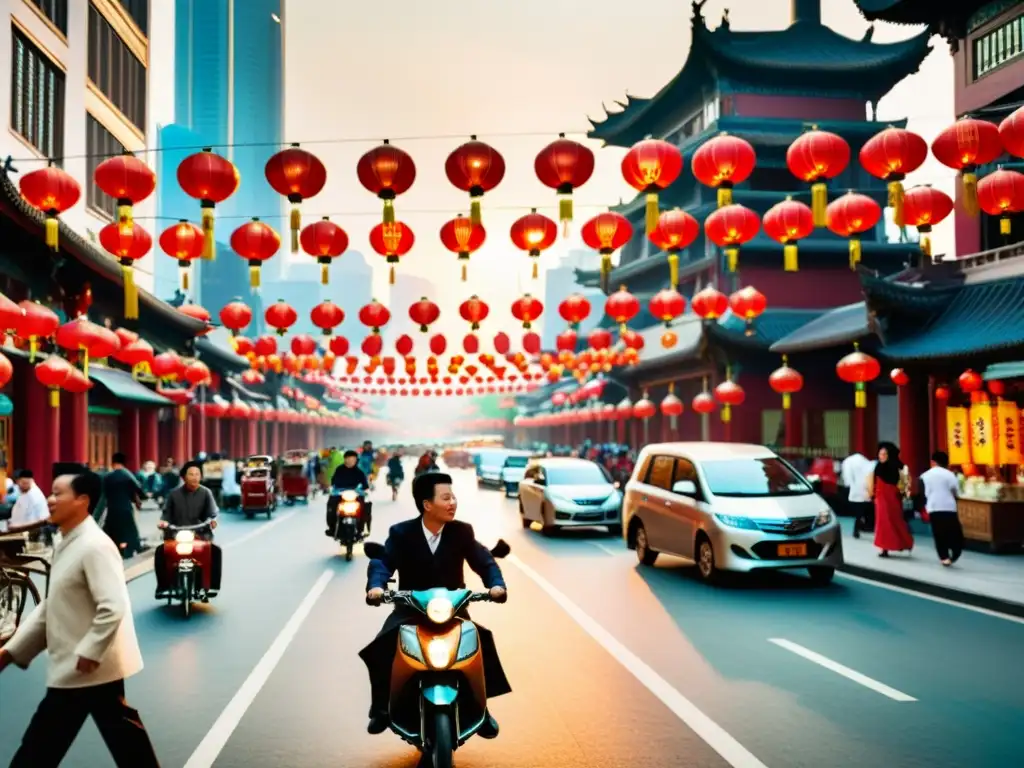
(410,68)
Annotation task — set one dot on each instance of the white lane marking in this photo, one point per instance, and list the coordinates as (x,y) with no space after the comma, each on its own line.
(933,598)
(606,549)
(840,669)
(716,737)
(212,744)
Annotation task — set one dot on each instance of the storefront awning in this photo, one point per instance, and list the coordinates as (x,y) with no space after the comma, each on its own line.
(122,386)
(842,325)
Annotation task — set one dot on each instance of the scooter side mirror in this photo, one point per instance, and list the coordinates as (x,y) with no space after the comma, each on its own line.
(501,549)
(373,550)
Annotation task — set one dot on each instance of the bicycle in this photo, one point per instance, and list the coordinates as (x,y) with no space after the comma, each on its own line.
(16,589)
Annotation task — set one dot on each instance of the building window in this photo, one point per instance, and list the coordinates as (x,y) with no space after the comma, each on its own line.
(99,145)
(115,70)
(999,46)
(55,10)
(139,11)
(37,97)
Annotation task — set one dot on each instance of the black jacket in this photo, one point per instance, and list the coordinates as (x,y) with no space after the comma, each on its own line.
(349,478)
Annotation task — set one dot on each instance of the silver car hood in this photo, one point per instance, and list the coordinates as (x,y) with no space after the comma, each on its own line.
(769,508)
(599,491)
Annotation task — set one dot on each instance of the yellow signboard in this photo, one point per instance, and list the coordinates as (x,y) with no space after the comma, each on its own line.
(1009,432)
(983,439)
(957,436)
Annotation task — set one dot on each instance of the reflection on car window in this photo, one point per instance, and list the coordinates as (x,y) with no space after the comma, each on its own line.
(517,461)
(754,477)
(661,472)
(578,474)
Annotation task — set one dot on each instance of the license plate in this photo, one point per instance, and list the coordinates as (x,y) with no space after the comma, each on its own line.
(792,550)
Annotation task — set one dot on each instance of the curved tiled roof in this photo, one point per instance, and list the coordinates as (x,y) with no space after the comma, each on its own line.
(838,326)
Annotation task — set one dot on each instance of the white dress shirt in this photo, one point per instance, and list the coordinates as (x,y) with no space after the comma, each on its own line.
(87,615)
(940,490)
(30,507)
(433,539)
(854,474)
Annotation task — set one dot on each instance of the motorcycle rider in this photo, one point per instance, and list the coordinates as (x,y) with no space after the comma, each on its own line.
(429,551)
(190,503)
(367,458)
(396,473)
(348,477)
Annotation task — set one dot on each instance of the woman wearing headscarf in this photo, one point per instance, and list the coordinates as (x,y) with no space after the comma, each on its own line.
(887,486)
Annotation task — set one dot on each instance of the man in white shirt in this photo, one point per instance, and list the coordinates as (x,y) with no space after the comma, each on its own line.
(854,473)
(86,626)
(30,511)
(941,489)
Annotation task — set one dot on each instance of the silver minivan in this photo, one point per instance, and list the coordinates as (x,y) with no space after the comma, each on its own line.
(728,507)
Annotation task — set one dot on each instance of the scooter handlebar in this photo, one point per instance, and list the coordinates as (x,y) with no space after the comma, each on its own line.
(404,597)
(196,527)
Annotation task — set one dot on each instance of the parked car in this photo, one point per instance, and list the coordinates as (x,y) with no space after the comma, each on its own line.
(512,472)
(489,463)
(560,492)
(728,507)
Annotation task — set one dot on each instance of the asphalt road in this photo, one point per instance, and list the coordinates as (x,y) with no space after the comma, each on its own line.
(611,665)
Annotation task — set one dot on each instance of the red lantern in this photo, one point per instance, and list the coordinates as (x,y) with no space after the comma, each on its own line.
(622,307)
(671,405)
(392,240)
(1001,193)
(339,346)
(1011,132)
(564,165)
(729,228)
(729,394)
(374,316)
(196,312)
(88,339)
(210,179)
(438,344)
(183,242)
(424,313)
(598,339)
(10,315)
(996,388)
(942,394)
(281,316)
(297,175)
(851,215)
(748,304)
(138,354)
(461,236)
(255,242)
(675,231)
(168,366)
(709,303)
(566,341)
(77,382)
(475,168)
(703,403)
(197,373)
(924,207)
(37,322)
(531,343)
(606,233)
(474,311)
(890,155)
(899,377)
(470,344)
(324,240)
(404,345)
(126,179)
(964,146)
(574,310)
(265,346)
(814,157)
(666,305)
(52,373)
(303,345)
(372,345)
(533,233)
(644,409)
(387,172)
(327,316)
(52,191)
(858,368)
(970,381)
(624,410)
(527,309)
(235,316)
(786,381)
(126,243)
(723,161)
(649,166)
(786,223)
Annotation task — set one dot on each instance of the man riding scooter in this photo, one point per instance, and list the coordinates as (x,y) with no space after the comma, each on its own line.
(190,504)
(348,477)
(396,473)
(367,459)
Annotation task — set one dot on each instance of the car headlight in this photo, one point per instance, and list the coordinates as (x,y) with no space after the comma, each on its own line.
(824,518)
(737,522)
(440,653)
(185,536)
(440,610)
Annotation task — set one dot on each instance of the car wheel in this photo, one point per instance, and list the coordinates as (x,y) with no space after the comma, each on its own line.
(706,560)
(644,554)
(821,574)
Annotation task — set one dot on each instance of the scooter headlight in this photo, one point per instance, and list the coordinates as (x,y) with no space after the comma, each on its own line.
(440,610)
(440,653)
(350,508)
(349,496)
(185,536)
(184,547)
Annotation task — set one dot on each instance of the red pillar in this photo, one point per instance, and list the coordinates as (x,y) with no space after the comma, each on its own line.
(178,437)
(213,430)
(199,441)
(251,437)
(859,432)
(40,450)
(149,435)
(130,444)
(912,400)
(75,428)
(794,427)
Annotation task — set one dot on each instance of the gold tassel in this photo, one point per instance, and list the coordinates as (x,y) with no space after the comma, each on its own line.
(673,269)
(296,224)
(606,268)
(182,412)
(652,212)
(209,241)
(732,256)
(971,193)
(54,397)
(131,293)
(474,211)
(724,196)
(789,262)
(787,400)
(465,271)
(726,414)
(33,348)
(325,273)
(84,353)
(819,203)
(184,278)
(1004,226)
(860,396)
(389,211)
(854,253)
(926,244)
(124,216)
(565,212)
(896,202)
(254,277)
(391,278)
(52,231)
(536,269)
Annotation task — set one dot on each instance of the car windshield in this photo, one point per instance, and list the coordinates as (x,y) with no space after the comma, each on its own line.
(517,461)
(754,477)
(577,474)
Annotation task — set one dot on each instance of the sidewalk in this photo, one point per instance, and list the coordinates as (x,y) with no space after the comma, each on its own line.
(995,582)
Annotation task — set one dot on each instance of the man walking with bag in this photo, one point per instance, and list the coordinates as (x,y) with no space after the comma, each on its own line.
(86,626)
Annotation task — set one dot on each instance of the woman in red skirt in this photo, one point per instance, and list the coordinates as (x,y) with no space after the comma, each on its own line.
(886,485)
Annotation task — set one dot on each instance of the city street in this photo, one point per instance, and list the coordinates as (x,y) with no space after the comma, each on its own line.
(611,665)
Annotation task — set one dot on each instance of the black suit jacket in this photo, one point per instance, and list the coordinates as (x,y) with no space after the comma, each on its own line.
(407,552)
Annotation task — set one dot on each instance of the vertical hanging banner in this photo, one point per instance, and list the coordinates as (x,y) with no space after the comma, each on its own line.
(983,447)
(1009,432)
(957,436)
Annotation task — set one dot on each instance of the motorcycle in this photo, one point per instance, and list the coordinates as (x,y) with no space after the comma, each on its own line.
(188,562)
(438,693)
(348,525)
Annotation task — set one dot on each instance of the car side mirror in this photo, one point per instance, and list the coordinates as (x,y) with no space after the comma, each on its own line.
(685,488)
(501,549)
(373,550)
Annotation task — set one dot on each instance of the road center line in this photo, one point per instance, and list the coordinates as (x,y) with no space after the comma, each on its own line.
(716,737)
(840,669)
(212,744)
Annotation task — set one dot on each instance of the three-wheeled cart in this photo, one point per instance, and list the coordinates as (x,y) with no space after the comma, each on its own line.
(259,493)
(295,485)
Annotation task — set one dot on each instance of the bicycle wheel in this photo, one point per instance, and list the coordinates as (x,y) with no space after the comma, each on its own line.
(16,590)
